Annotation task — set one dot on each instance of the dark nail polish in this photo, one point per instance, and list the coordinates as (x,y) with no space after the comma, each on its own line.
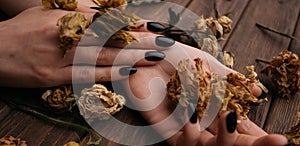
(290,143)
(164,41)
(127,71)
(231,121)
(155,27)
(192,113)
(97,8)
(154,56)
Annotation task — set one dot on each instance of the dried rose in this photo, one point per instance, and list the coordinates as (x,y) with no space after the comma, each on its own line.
(97,103)
(72,143)
(285,71)
(111,3)
(71,28)
(60,99)
(215,27)
(190,84)
(12,141)
(226,23)
(60,4)
(294,133)
(228,59)
(234,91)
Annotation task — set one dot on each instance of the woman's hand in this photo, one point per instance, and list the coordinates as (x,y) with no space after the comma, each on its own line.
(30,54)
(147,91)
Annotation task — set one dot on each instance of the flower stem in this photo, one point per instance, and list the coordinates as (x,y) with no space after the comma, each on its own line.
(276,31)
(263,60)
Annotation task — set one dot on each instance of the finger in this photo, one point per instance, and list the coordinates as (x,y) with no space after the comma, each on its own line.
(149,26)
(272,139)
(88,74)
(113,56)
(250,128)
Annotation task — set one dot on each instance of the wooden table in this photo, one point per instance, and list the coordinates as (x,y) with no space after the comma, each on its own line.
(246,41)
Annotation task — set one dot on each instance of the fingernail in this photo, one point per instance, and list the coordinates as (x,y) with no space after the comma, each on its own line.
(192,112)
(154,56)
(164,41)
(127,71)
(290,143)
(155,27)
(231,121)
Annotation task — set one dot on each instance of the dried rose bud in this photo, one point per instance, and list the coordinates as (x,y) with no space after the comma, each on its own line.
(60,99)
(228,59)
(215,27)
(60,4)
(71,28)
(190,84)
(97,103)
(12,141)
(294,133)
(72,143)
(226,23)
(111,3)
(285,71)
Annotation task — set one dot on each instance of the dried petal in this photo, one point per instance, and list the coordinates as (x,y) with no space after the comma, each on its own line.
(71,28)
(97,103)
(294,133)
(12,141)
(111,3)
(60,99)
(60,4)
(285,71)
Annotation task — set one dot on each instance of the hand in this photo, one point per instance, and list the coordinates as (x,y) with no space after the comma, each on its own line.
(30,54)
(146,90)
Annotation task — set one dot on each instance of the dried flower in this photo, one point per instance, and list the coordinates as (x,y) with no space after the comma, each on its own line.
(285,71)
(226,24)
(111,3)
(294,133)
(189,85)
(215,27)
(72,143)
(12,141)
(71,28)
(60,99)
(234,91)
(97,103)
(228,59)
(60,4)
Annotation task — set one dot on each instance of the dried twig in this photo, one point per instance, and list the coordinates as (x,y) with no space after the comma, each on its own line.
(276,31)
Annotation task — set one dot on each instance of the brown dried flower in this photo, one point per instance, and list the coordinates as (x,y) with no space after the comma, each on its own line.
(234,91)
(60,99)
(111,3)
(285,71)
(97,103)
(226,24)
(190,84)
(215,27)
(12,141)
(60,4)
(71,28)
(228,59)
(294,133)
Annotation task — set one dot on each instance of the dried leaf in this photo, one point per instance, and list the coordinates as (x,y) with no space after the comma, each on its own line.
(97,103)
(12,141)
(285,71)
(60,99)
(71,28)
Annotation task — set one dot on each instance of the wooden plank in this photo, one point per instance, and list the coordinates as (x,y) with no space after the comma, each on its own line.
(248,42)
(283,111)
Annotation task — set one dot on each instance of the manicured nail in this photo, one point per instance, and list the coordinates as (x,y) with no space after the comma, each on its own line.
(231,121)
(127,71)
(154,56)
(290,143)
(192,112)
(164,41)
(97,8)
(155,27)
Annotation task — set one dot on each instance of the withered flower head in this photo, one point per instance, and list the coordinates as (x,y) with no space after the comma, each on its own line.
(12,141)
(226,23)
(285,71)
(228,59)
(60,4)
(189,85)
(215,27)
(111,3)
(60,99)
(97,103)
(294,133)
(71,28)
(238,95)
